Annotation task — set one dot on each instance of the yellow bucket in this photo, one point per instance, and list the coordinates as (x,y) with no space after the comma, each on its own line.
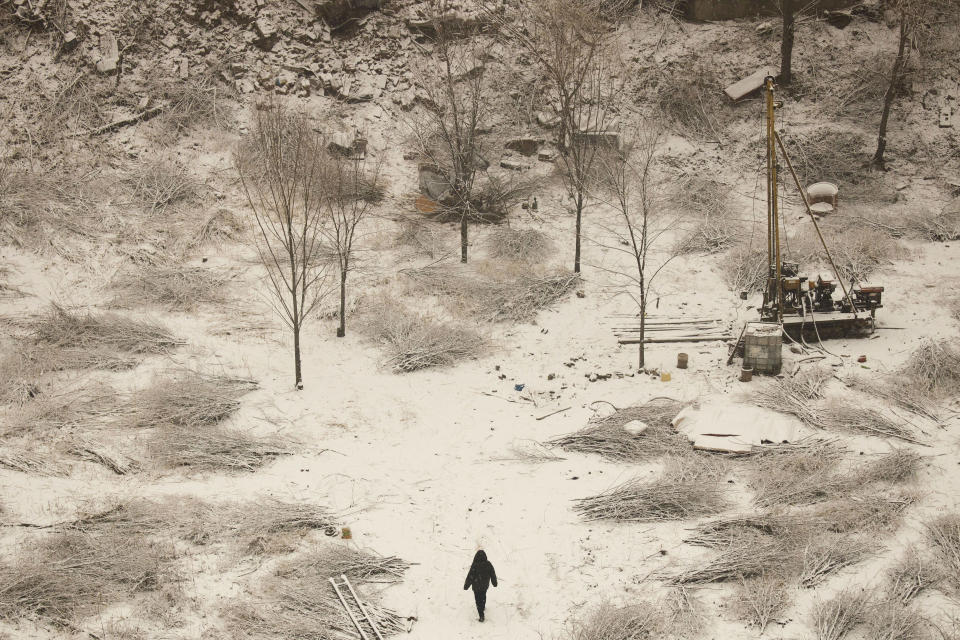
(665,376)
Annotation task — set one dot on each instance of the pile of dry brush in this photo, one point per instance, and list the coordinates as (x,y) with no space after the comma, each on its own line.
(418,340)
(803,396)
(489,293)
(655,437)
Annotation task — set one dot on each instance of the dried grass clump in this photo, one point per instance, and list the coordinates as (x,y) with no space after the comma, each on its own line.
(744,268)
(299,602)
(813,475)
(175,286)
(253,524)
(934,369)
(38,209)
(607,436)
(893,620)
(911,575)
(833,619)
(802,477)
(521,245)
(197,103)
(63,328)
(793,396)
(687,488)
(417,340)
(88,408)
(221,226)
(824,555)
(691,98)
(944,537)
(842,415)
(27,457)
(632,622)
(189,399)
(746,559)
(159,184)
(103,454)
(493,294)
(708,234)
(215,448)
(69,575)
(758,601)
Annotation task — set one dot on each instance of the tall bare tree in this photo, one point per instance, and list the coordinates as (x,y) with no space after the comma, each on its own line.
(281,170)
(353,188)
(567,41)
(627,178)
(457,107)
(915,18)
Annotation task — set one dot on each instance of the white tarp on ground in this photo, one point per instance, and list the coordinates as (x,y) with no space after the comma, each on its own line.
(721,425)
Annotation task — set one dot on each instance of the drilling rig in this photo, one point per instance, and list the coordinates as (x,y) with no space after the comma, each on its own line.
(807,308)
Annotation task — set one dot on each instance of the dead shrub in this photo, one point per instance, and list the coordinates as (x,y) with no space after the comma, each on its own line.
(893,620)
(490,293)
(691,98)
(188,399)
(630,622)
(826,554)
(744,268)
(215,448)
(835,618)
(172,285)
(705,203)
(520,245)
(42,208)
(297,601)
(66,576)
(200,102)
(910,575)
(418,340)
(934,369)
(94,331)
(221,226)
(87,408)
(608,438)
(943,535)
(159,184)
(684,490)
(759,600)
(844,416)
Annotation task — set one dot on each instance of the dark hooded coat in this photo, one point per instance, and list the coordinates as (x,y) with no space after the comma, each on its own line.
(481,574)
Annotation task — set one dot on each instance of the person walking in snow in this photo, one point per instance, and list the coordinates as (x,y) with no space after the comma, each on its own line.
(480,576)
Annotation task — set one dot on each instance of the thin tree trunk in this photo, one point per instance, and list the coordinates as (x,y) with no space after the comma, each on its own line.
(786,45)
(576,252)
(643,326)
(463,238)
(296,356)
(342,329)
(898,66)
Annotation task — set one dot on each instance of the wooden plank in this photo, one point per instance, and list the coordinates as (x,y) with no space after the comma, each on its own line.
(741,89)
(669,340)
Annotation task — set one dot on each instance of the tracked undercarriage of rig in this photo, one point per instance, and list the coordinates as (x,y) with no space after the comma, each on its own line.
(807,309)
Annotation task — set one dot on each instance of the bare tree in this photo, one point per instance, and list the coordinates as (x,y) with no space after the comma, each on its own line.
(281,170)
(354,187)
(457,108)
(915,17)
(567,41)
(627,178)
